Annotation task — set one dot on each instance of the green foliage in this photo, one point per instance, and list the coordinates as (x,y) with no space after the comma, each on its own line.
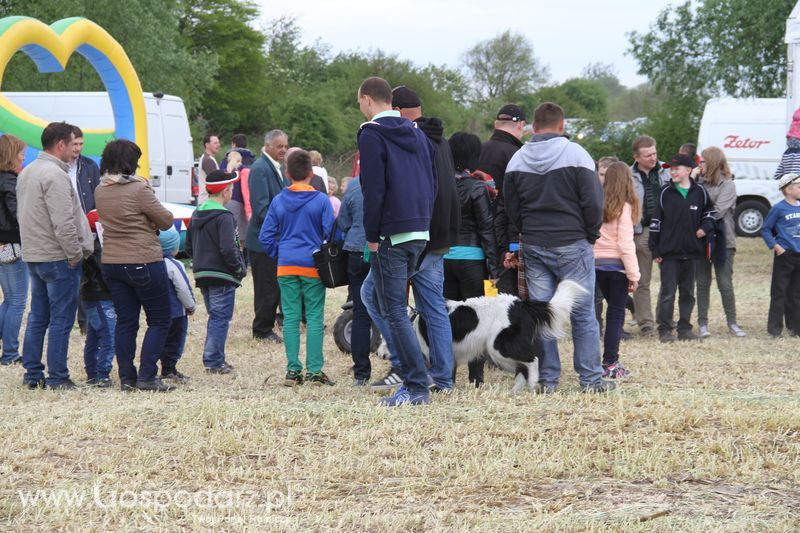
(234,99)
(708,48)
(503,68)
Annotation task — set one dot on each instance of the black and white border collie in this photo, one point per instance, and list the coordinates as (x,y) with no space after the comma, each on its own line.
(505,328)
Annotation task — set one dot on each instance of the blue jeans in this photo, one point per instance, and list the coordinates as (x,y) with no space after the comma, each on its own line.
(370,304)
(219,300)
(544,268)
(98,352)
(428,285)
(54,300)
(361,329)
(173,348)
(14,282)
(133,287)
(390,270)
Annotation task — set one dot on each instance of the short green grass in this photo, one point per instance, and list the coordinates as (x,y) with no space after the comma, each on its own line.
(702,437)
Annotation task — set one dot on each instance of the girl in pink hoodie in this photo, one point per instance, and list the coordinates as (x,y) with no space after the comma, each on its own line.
(616,267)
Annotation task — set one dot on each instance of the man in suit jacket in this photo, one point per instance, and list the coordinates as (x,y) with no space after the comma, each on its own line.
(266,182)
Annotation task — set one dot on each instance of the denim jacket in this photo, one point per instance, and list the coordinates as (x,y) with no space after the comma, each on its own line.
(351,217)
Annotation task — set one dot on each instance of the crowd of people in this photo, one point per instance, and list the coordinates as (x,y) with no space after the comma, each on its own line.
(443,216)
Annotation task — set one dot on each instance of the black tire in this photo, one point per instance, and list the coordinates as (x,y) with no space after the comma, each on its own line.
(341,333)
(749,218)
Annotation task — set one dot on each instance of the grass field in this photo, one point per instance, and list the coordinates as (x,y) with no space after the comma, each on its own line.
(702,437)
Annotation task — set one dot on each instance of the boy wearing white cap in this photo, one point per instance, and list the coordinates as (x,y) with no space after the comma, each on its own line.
(781,232)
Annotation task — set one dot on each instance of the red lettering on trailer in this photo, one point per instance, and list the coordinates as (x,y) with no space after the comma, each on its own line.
(734,141)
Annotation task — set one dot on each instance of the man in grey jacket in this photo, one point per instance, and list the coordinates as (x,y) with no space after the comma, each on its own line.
(553,196)
(55,240)
(649,176)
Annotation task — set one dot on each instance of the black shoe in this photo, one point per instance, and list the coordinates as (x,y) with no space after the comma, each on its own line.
(647,331)
(666,336)
(293,378)
(318,378)
(359,383)
(67,384)
(601,386)
(128,386)
(225,368)
(33,385)
(155,385)
(391,381)
(100,383)
(545,388)
(269,337)
(436,389)
(688,335)
(177,377)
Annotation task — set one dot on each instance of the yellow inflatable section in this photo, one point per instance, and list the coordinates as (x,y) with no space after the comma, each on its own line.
(50,48)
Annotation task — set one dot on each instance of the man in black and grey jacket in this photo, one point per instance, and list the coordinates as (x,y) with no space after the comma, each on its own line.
(683,218)
(506,138)
(428,280)
(553,196)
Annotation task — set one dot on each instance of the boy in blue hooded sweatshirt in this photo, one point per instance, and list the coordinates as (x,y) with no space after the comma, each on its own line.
(298,221)
(181,304)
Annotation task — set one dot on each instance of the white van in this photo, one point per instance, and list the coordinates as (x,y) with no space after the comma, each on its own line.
(169,138)
(752,133)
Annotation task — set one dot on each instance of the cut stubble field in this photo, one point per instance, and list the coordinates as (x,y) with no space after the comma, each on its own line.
(704,436)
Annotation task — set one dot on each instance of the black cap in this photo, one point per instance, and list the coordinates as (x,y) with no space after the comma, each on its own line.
(681,160)
(511,112)
(403,97)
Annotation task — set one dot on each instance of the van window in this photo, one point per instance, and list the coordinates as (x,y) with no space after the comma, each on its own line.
(179,137)
(155,139)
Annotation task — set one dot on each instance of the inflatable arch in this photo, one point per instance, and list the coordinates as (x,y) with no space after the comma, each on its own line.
(50,48)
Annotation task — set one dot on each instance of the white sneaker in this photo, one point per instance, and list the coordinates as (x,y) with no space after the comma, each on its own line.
(703,332)
(736,330)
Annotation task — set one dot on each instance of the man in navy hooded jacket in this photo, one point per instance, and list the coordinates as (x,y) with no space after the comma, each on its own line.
(398,182)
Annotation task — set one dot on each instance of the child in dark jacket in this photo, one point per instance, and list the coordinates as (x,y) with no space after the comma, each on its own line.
(781,232)
(213,244)
(682,219)
(181,304)
(101,318)
(297,223)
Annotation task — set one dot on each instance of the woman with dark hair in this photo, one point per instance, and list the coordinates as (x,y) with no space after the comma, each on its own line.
(13,270)
(465,265)
(133,264)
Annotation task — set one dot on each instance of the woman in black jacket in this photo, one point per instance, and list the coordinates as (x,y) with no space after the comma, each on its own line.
(465,266)
(13,270)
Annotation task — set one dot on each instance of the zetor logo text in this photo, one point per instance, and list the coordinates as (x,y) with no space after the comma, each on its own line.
(734,141)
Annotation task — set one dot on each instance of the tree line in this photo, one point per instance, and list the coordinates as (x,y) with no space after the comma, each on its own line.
(237,74)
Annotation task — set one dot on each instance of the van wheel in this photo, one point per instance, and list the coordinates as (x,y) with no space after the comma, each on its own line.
(749,218)
(344,326)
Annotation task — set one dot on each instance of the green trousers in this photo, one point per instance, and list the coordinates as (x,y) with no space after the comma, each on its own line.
(294,291)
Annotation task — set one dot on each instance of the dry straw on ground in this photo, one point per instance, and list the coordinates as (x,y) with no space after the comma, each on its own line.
(703,437)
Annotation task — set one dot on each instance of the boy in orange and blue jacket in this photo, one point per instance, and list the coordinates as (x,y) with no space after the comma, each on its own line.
(297,223)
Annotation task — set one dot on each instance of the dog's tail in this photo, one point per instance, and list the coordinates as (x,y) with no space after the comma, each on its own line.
(559,308)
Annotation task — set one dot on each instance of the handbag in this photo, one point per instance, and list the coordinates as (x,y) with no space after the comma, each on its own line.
(331,262)
(10,253)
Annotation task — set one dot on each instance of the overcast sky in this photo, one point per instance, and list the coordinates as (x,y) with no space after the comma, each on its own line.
(566,34)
